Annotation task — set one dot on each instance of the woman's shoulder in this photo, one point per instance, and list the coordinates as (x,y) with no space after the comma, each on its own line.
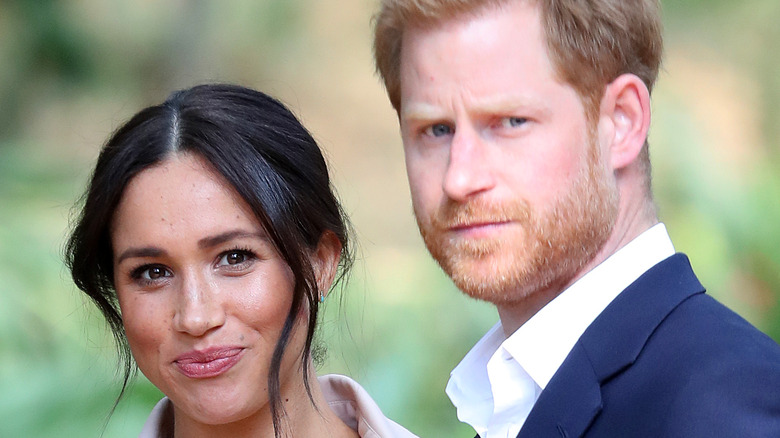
(159,424)
(355,407)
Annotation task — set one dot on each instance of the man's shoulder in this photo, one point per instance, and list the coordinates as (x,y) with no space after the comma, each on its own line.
(666,359)
(701,323)
(704,369)
(689,328)
(667,309)
(703,343)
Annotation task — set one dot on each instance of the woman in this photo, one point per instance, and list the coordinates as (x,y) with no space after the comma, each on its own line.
(208,238)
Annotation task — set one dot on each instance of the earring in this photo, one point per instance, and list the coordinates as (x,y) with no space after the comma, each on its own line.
(322,298)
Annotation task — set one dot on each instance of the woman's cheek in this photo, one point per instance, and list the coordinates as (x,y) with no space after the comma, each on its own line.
(145,327)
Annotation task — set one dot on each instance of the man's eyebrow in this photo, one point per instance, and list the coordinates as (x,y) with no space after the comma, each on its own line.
(508,103)
(421,112)
(425,112)
(212,241)
(147,251)
(512,104)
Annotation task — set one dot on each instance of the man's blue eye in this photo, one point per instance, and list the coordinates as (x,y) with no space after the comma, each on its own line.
(438,130)
(513,122)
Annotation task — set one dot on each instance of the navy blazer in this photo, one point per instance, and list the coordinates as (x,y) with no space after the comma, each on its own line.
(664,360)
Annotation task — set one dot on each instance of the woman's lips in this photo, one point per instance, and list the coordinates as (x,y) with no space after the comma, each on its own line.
(208,363)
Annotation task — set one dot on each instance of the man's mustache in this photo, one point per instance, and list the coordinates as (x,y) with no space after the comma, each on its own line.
(453,214)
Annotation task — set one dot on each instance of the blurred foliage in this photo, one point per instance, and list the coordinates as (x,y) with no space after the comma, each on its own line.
(72,71)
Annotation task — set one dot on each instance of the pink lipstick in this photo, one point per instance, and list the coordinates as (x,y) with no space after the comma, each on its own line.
(208,363)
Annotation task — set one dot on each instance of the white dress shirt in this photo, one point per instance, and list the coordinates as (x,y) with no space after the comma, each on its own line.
(497,383)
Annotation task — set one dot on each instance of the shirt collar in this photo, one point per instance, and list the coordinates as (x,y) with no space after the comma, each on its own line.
(469,385)
(543,342)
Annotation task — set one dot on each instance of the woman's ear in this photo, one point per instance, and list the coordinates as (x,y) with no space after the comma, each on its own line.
(625,109)
(326,261)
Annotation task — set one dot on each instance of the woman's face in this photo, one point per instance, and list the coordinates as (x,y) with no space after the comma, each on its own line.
(203,292)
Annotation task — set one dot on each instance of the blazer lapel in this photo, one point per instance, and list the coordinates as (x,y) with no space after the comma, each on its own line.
(572,399)
(569,403)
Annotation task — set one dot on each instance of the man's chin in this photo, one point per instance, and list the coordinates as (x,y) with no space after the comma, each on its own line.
(491,293)
(500,281)
(487,283)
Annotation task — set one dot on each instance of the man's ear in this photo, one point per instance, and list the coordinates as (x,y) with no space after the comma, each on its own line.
(625,111)
(325,261)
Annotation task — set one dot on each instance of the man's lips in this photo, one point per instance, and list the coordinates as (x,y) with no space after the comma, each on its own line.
(477,227)
(202,364)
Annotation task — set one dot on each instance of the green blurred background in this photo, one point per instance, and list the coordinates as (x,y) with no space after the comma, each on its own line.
(72,71)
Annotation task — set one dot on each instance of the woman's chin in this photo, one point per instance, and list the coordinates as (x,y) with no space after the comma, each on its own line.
(212,412)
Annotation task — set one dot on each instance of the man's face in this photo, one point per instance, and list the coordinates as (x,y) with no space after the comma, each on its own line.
(508,183)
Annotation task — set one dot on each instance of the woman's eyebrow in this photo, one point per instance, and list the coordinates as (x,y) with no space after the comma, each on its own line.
(204,243)
(212,241)
(147,251)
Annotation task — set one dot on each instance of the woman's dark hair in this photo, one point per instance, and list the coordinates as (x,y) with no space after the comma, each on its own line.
(263,152)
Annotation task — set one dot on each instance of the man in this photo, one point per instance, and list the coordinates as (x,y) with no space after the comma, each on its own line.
(524,124)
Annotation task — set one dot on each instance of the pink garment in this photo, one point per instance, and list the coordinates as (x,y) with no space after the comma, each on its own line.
(357,409)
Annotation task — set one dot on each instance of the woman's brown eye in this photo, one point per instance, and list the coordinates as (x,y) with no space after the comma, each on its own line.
(156,272)
(235,258)
(150,272)
(239,258)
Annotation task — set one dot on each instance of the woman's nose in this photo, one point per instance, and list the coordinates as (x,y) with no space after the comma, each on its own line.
(199,308)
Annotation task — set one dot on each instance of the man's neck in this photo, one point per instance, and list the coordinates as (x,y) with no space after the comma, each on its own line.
(627,228)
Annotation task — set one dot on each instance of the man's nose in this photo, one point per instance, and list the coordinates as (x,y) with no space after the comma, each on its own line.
(198,309)
(468,170)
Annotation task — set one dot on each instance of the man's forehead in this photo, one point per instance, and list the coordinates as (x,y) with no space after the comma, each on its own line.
(469,35)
